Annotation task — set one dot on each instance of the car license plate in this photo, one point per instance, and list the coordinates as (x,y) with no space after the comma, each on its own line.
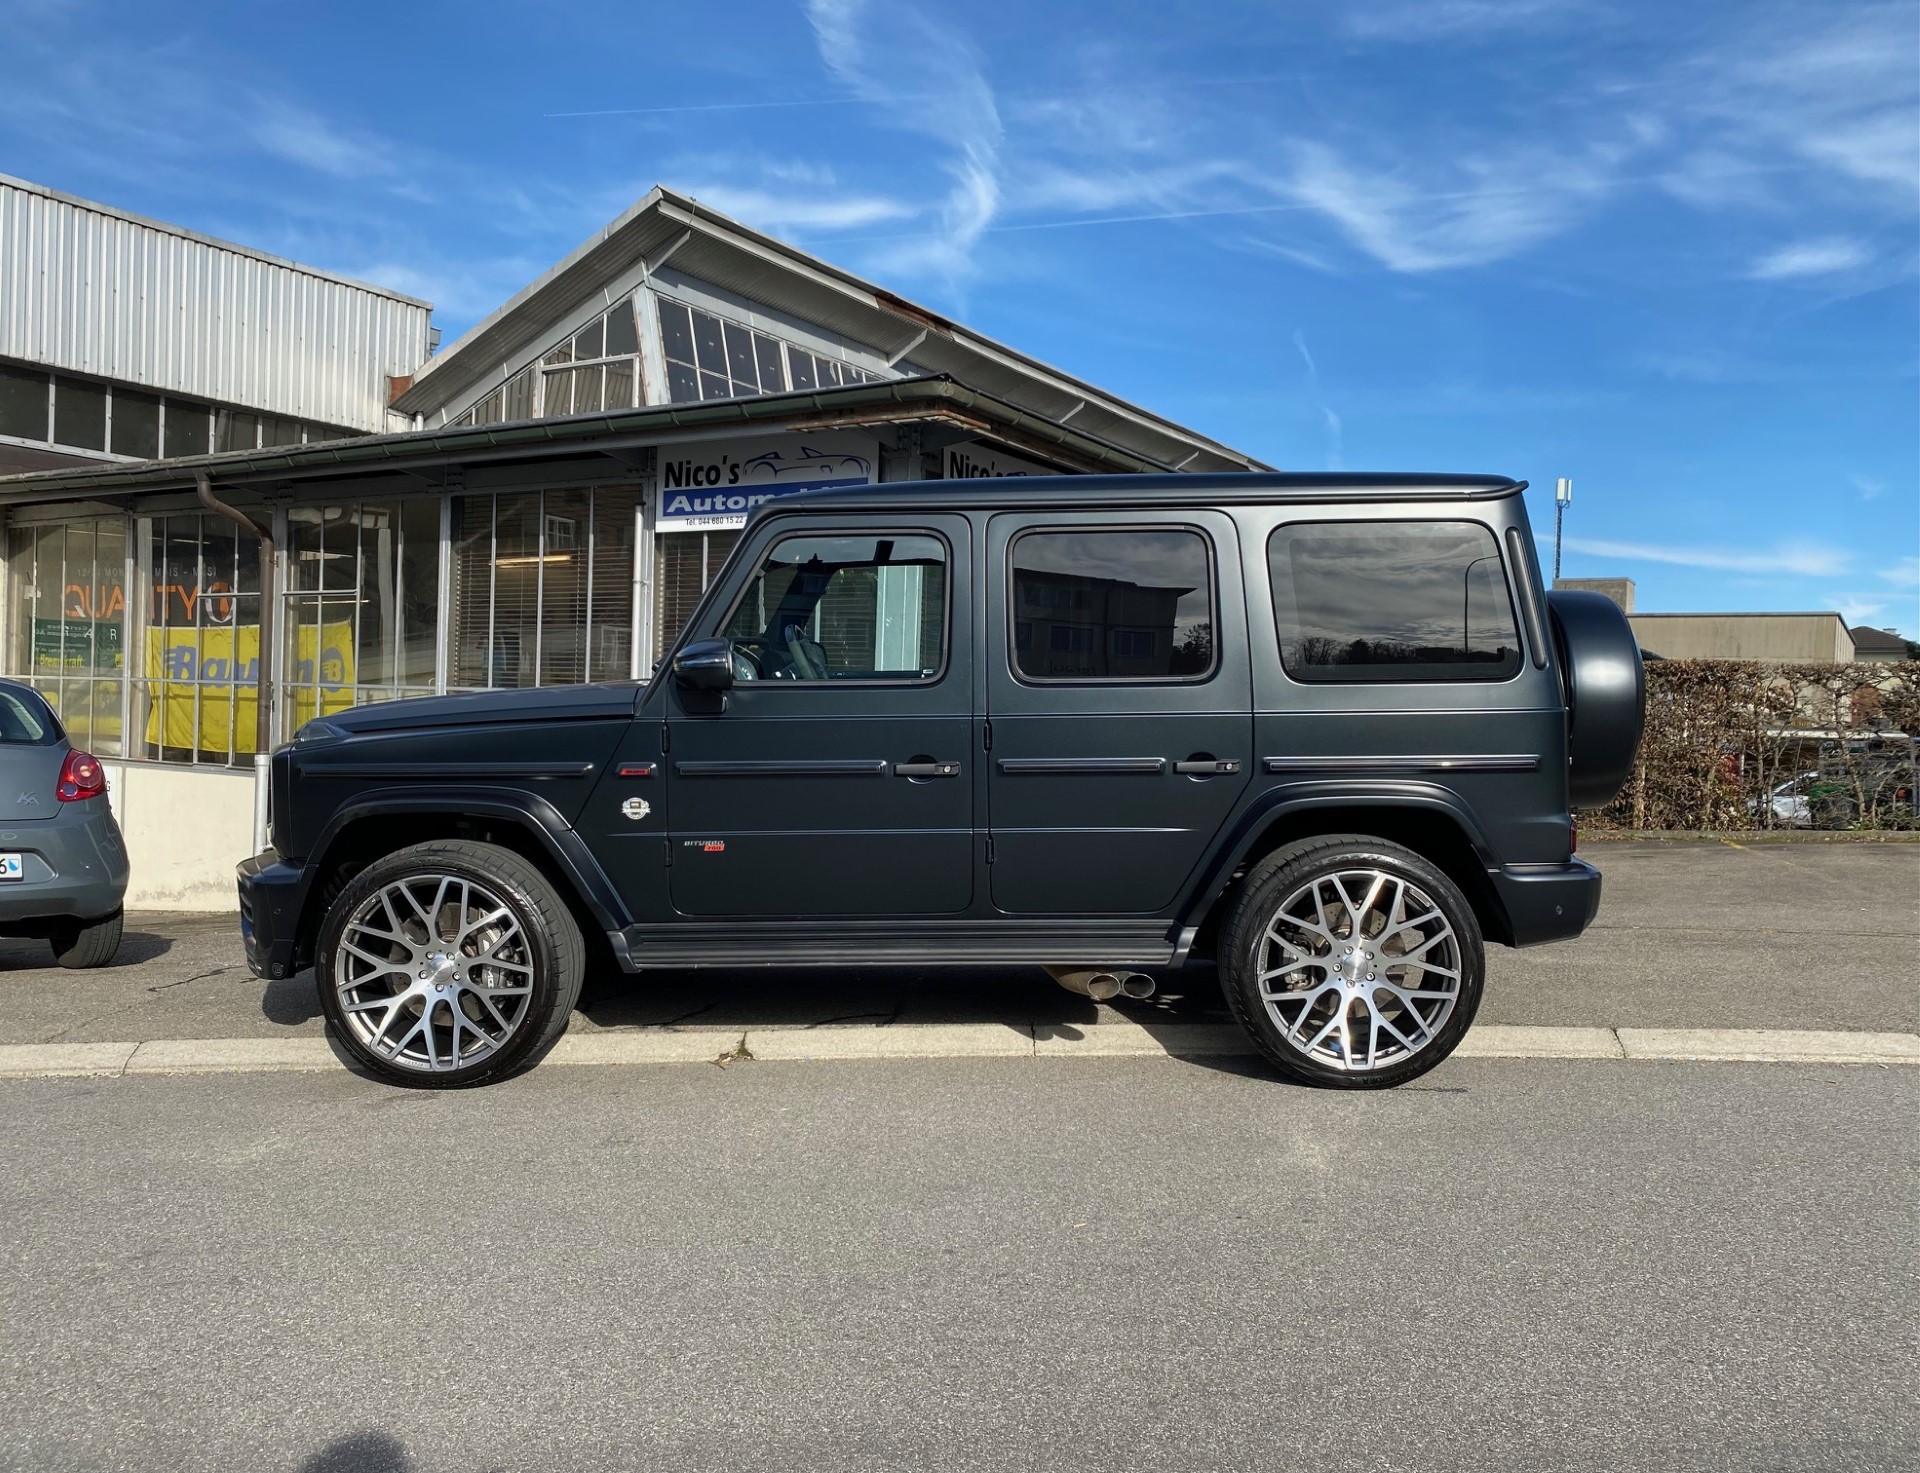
(10,868)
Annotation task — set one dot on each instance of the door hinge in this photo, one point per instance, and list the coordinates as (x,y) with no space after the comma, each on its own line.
(986,734)
(989,848)
(666,854)
(666,736)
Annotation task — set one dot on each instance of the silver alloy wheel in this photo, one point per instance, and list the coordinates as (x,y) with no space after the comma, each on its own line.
(435,972)
(1359,969)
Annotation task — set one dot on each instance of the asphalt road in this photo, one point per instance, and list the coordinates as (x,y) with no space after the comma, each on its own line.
(1101,1264)
(1695,935)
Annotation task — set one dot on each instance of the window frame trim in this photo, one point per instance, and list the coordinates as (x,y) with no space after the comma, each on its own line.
(1499,551)
(1206,677)
(920,682)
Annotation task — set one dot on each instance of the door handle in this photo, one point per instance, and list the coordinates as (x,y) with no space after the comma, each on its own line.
(926,769)
(1221,767)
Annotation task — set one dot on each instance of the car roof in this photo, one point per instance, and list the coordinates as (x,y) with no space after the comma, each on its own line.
(1239,488)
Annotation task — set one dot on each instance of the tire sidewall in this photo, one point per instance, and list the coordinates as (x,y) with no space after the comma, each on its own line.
(1240,962)
(527,910)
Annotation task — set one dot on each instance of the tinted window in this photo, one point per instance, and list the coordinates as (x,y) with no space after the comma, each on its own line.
(1118,605)
(1373,601)
(136,424)
(23,721)
(845,608)
(23,403)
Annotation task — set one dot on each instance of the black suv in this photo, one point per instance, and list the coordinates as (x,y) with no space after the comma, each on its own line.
(1326,729)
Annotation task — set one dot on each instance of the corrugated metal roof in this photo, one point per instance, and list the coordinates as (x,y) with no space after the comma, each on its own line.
(94,290)
(737,258)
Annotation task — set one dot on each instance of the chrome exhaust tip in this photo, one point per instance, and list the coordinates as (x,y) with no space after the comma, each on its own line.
(1090,982)
(1137,985)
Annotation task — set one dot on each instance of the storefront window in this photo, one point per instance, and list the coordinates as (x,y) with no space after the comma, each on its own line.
(196,700)
(542,588)
(68,622)
(684,564)
(362,605)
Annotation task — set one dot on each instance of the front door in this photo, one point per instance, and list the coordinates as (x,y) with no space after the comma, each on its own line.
(1118,706)
(835,777)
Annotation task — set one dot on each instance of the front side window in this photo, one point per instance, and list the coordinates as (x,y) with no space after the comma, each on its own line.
(1363,602)
(1112,605)
(865,607)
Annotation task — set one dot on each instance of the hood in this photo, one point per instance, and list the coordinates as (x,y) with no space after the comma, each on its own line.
(493,708)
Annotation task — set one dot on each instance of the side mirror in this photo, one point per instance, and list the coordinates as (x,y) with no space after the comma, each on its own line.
(706,664)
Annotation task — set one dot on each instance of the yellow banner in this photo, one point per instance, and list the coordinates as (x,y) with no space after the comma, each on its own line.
(204,683)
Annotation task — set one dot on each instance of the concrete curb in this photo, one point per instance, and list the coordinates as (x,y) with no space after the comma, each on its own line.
(724,1046)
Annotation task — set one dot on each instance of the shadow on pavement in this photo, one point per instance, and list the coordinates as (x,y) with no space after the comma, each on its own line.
(360,1452)
(290,1000)
(24,954)
(816,997)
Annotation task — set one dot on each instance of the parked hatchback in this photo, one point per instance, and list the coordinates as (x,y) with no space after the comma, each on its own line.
(63,865)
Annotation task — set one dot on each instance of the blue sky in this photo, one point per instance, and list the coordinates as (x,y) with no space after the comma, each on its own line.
(1670,250)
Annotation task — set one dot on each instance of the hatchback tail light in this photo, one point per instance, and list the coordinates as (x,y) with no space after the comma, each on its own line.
(81,777)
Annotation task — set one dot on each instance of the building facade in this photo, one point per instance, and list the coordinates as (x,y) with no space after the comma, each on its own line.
(542,503)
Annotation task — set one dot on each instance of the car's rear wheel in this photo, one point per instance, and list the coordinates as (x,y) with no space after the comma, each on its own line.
(1352,962)
(449,963)
(82,944)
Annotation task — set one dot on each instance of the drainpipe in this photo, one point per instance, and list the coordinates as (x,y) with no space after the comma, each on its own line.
(263,667)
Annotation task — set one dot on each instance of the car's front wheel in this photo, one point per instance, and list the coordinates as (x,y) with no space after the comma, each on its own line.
(1352,962)
(448,963)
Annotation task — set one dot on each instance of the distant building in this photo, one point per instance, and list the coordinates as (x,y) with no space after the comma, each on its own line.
(1620,590)
(1881,646)
(1775,638)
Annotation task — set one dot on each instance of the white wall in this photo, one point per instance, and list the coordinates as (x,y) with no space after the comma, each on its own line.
(186,828)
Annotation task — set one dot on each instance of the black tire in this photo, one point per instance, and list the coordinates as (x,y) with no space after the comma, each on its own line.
(1284,875)
(83,944)
(555,952)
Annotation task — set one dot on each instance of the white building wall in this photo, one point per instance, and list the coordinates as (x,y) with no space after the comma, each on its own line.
(95,291)
(186,828)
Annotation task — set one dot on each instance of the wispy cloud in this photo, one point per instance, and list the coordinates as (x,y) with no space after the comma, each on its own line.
(802,210)
(1336,430)
(1821,257)
(858,41)
(1808,559)
(1869,488)
(1903,574)
(1446,19)
(1853,610)
(1473,209)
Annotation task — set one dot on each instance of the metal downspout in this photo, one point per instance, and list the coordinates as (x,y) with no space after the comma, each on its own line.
(263,666)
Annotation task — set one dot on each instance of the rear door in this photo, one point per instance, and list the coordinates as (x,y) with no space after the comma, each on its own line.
(1118,706)
(835,778)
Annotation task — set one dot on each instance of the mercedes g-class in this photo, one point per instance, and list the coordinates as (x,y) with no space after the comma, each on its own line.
(1327,730)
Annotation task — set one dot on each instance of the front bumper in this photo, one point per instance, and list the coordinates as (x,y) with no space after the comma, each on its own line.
(270,891)
(1548,902)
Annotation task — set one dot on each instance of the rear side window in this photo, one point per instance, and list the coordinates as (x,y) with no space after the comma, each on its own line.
(1112,605)
(1363,602)
(24,722)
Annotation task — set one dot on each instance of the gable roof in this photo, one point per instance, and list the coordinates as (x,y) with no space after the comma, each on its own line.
(705,244)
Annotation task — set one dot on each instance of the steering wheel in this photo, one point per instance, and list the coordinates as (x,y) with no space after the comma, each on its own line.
(746,662)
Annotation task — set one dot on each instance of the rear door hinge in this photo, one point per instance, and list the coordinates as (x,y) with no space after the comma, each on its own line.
(989,848)
(986,734)
(666,736)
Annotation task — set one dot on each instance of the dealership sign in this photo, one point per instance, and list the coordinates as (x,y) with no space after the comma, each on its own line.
(706,488)
(976,458)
